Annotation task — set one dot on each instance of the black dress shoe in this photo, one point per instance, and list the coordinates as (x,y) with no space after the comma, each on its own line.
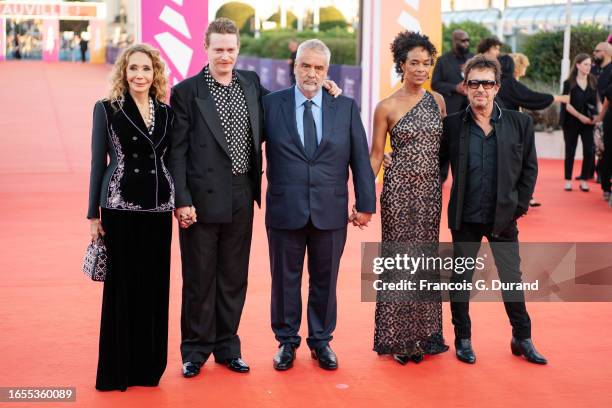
(464,351)
(326,357)
(525,348)
(191,369)
(237,364)
(283,360)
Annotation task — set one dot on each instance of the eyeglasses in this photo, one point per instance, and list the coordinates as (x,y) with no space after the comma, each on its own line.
(475,84)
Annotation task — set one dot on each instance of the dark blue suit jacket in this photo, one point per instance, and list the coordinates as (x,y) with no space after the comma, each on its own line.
(300,188)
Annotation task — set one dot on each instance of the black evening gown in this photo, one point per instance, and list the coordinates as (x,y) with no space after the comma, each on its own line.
(134,324)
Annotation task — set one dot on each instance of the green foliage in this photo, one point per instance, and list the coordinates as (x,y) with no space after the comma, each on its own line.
(330,17)
(241,13)
(476,31)
(545,50)
(291,19)
(274,44)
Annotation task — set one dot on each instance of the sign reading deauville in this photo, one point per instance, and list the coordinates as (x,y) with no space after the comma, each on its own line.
(62,10)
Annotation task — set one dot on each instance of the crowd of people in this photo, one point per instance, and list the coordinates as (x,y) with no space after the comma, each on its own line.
(583,101)
(201,157)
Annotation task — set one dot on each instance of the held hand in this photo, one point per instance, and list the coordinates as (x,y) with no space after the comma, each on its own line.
(186,216)
(388,159)
(95,228)
(597,119)
(332,88)
(359,219)
(362,219)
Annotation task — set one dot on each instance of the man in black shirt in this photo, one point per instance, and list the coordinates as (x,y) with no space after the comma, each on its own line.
(485,202)
(293,46)
(447,76)
(602,69)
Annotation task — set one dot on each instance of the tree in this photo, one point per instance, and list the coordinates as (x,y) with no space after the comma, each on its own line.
(545,50)
(330,17)
(291,19)
(242,14)
(476,31)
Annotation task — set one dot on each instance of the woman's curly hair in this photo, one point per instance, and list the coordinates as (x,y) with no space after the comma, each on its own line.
(406,41)
(119,84)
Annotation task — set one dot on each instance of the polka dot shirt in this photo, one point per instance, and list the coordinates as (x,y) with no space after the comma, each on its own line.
(232,110)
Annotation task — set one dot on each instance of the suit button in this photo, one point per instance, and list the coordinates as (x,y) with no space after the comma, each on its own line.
(209,191)
(134,138)
(136,170)
(312,185)
(135,155)
(310,164)
(210,170)
(151,156)
(152,171)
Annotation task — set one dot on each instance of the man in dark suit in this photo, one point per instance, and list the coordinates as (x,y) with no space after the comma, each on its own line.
(311,142)
(216,164)
(494,165)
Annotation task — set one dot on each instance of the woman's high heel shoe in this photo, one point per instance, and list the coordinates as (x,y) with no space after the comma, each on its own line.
(401,358)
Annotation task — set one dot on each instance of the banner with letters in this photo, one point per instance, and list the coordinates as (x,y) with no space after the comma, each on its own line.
(177,28)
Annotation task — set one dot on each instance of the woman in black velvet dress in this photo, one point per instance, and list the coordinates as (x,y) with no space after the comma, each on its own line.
(131,198)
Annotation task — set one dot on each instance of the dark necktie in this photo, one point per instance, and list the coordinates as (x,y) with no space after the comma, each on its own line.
(310,130)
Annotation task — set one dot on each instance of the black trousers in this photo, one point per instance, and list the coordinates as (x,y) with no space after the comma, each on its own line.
(466,243)
(570,135)
(215,260)
(606,165)
(287,250)
(134,327)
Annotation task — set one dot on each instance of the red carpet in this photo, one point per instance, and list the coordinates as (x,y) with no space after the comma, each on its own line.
(49,312)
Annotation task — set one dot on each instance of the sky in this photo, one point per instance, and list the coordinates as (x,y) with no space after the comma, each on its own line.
(499,4)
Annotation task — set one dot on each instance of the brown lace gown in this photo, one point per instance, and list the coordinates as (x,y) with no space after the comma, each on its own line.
(410,209)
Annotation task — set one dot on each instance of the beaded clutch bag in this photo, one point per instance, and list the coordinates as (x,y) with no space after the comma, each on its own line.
(95,263)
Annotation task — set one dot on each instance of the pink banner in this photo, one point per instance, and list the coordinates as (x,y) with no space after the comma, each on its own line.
(176,28)
(2,39)
(50,40)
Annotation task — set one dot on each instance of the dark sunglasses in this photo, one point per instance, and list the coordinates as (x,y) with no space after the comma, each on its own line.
(475,84)
(465,40)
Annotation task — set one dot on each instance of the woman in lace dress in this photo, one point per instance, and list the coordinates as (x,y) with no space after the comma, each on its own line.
(408,328)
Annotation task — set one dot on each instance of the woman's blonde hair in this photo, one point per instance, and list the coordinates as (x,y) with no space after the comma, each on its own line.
(119,84)
(521,62)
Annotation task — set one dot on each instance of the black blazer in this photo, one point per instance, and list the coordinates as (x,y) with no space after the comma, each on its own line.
(200,160)
(136,177)
(517,165)
(302,188)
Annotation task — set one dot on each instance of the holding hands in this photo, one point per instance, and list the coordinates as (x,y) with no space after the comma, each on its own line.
(186,216)
(360,219)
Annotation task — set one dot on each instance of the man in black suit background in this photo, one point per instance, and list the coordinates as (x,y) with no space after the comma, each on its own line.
(494,164)
(312,140)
